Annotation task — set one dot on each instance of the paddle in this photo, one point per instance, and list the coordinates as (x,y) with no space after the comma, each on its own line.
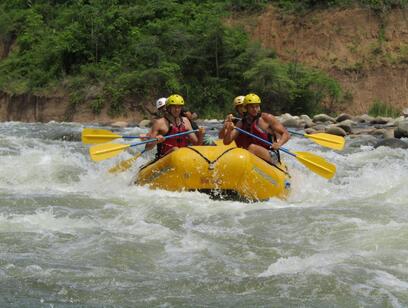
(104,151)
(327,140)
(94,136)
(313,162)
(125,164)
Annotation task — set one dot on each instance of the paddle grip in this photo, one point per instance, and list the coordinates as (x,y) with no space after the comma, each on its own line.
(130,137)
(296,133)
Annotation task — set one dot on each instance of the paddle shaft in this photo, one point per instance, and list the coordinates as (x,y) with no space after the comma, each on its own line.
(313,162)
(130,137)
(125,164)
(165,137)
(296,133)
(110,136)
(263,140)
(290,131)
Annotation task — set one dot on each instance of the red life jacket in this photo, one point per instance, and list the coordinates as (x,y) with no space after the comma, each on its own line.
(168,144)
(243,140)
(259,132)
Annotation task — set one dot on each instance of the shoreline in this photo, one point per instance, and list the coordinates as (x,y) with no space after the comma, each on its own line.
(342,125)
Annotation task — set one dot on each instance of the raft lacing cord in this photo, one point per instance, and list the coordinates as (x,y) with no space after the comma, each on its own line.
(211,163)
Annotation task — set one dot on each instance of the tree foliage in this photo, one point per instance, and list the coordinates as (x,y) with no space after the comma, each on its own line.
(141,50)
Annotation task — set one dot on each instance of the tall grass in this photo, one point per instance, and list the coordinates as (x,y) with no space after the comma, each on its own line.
(379,108)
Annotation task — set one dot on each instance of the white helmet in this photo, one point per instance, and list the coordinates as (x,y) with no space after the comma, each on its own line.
(161,102)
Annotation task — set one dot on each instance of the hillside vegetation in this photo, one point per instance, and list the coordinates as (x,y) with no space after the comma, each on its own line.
(103,53)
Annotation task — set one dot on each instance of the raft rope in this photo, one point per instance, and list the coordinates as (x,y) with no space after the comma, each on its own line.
(211,163)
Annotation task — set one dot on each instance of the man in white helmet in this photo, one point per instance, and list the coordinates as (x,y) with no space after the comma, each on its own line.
(172,123)
(160,107)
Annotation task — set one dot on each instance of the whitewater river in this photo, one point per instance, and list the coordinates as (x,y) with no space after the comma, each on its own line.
(73,234)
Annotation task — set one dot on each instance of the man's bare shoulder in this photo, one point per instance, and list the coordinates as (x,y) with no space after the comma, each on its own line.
(186,122)
(267,117)
(159,122)
(160,126)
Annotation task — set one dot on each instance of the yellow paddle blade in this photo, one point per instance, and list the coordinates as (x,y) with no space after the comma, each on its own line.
(124,164)
(94,136)
(327,140)
(316,164)
(103,151)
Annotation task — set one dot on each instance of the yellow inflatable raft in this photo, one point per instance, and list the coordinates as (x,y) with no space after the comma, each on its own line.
(225,171)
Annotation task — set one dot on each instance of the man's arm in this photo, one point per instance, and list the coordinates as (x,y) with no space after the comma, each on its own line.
(154,132)
(230,133)
(223,129)
(193,137)
(277,127)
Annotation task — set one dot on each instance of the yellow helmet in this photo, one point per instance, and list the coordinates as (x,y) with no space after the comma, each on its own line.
(175,99)
(251,98)
(239,100)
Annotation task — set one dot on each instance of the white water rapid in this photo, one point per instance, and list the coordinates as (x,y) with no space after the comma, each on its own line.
(71,233)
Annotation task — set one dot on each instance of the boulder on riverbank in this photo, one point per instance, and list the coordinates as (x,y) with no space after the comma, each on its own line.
(381,128)
(401,130)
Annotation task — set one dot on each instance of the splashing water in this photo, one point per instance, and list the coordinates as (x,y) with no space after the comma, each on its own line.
(70,232)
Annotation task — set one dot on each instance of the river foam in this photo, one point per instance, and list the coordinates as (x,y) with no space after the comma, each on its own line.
(71,233)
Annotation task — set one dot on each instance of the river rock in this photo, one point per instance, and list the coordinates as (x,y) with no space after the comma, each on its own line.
(346,125)
(310,130)
(306,121)
(343,117)
(380,120)
(363,131)
(389,133)
(335,130)
(405,113)
(145,123)
(397,120)
(292,122)
(305,117)
(323,118)
(320,128)
(365,118)
(392,143)
(401,130)
(285,116)
(383,133)
(119,124)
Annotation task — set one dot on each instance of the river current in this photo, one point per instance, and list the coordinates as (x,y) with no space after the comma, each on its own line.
(73,234)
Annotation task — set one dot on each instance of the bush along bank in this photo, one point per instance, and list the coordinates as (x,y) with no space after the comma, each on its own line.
(107,53)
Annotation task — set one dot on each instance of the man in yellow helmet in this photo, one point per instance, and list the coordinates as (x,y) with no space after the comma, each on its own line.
(173,123)
(238,103)
(262,125)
